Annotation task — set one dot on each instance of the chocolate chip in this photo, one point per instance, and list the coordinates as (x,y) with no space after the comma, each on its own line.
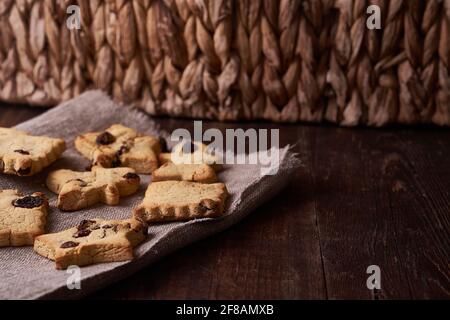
(22,152)
(28,202)
(85,224)
(81,233)
(131,176)
(105,138)
(116,161)
(69,244)
(111,226)
(122,150)
(82,183)
(142,229)
(203,209)
(189,147)
(2,165)
(24,172)
(163,144)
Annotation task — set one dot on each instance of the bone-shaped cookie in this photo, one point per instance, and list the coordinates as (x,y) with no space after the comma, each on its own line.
(185,172)
(77,190)
(191,152)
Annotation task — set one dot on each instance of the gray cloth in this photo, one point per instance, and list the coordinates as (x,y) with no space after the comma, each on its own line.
(26,275)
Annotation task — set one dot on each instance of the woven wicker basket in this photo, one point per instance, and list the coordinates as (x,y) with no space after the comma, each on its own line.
(282,60)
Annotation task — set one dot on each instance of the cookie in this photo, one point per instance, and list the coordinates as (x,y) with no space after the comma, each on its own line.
(119,146)
(22,218)
(77,190)
(25,155)
(181,200)
(191,152)
(92,241)
(186,172)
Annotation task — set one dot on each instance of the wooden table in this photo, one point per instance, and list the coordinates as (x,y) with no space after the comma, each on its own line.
(364,197)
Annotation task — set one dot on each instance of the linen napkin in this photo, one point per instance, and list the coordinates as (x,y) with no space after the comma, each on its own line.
(26,275)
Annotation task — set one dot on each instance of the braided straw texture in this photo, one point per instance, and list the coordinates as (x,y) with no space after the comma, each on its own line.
(281,60)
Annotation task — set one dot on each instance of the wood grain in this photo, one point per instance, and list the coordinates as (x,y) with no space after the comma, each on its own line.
(363,197)
(11,115)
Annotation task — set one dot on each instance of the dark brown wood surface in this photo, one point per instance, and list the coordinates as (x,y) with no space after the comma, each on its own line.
(364,197)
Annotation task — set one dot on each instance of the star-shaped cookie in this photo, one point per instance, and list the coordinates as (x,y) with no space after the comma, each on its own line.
(181,200)
(92,241)
(25,155)
(77,190)
(119,146)
(22,218)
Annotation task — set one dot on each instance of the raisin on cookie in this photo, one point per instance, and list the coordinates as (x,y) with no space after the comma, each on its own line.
(181,200)
(22,218)
(25,155)
(185,172)
(92,241)
(191,152)
(120,146)
(77,190)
